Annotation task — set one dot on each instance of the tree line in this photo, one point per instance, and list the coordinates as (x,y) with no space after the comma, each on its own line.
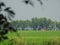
(36,24)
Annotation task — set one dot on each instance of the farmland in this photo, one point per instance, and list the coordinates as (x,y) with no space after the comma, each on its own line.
(33,38)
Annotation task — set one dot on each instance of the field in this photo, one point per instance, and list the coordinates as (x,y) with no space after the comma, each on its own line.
(32,38)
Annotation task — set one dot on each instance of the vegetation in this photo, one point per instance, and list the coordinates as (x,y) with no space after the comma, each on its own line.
(31,2)
(33,38)
(5,25)
(36,36)
(36,24)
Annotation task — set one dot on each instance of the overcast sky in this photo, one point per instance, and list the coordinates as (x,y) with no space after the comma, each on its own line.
(50,9)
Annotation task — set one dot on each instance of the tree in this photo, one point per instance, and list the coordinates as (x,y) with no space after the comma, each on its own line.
(58,25)
(50,24)
(4,24)
(15,24)
(29,2)
(34,23)
(43,23)
(23,24)
(32,3)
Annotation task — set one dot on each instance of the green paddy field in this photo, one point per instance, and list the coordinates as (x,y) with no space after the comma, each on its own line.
(32,38)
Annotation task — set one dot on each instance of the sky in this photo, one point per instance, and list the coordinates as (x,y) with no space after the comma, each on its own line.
(49,9)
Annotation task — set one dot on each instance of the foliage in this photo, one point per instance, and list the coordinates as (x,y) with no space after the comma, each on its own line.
(33,38)
(5,25)
(37,24)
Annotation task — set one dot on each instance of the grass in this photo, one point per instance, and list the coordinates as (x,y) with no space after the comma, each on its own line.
(33,38)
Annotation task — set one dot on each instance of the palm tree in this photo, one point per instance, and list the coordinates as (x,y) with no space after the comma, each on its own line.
(7,10)
(1,4)
(4,24)
(10,12)
(3,17)
(29,2)
(40,2)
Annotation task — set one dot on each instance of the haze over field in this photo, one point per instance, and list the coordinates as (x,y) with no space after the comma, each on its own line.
(50,9)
